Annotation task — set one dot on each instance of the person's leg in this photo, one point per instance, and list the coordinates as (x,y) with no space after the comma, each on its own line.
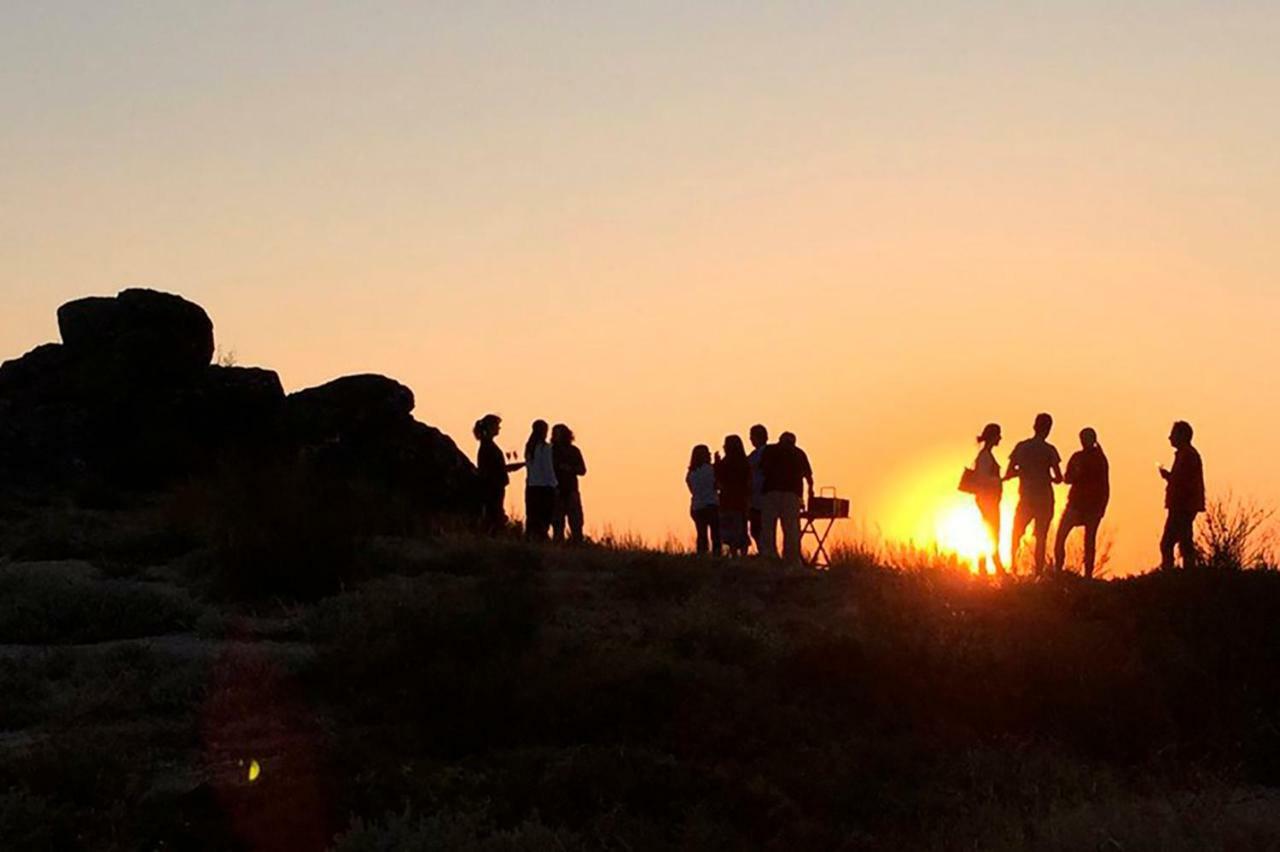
(576,518)
(1065,526)
(700,527)
(1044,518)
(1187,542)
(546,503)
(713,519)
(791,551)
(756,525)
(1167,541)
(769,526)
(558,517)
(1021,520)
(991,519)
(1091,546)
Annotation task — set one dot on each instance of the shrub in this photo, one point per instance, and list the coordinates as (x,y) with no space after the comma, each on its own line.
(1236,534)
(45,603)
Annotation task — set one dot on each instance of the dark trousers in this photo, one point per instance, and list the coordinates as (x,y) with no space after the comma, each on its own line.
(1039,512)
(755,519)
(1179,532)
(707,522)
(539,510)
(568,510)
(493,512)
(1074,517)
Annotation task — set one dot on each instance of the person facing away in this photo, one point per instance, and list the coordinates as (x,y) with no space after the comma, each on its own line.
(1036,465)
(704,504)
(569,465)
(786,471)
(1089,475)
(494,473)
(540,483)
(759,437)
(989,491)
(733,485)
(1184,498)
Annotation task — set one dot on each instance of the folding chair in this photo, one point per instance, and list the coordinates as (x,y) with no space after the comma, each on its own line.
(819,519)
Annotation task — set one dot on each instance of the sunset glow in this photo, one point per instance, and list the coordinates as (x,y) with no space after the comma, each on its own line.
(880,226)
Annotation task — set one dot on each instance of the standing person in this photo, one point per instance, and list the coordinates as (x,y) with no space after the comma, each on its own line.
(1089,475)
(733,483)
(1036,465)
(539,484)
(494,473)
(569,465)
(1184,498)
(786,471)
(759,437)
(704,506)
(988,491)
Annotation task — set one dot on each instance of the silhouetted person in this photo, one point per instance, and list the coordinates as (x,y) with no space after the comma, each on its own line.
(759,437)
(733,483)
(988,491)
(540,483)
(1089,475)
(569,466)
(494,473)
(704,504)
(1036,465)
(786,471)
(1184,498)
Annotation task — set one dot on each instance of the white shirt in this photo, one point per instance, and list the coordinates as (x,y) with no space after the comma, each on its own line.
(702,485)
(540,471)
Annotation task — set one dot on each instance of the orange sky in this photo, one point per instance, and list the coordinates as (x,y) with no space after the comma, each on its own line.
(877,228)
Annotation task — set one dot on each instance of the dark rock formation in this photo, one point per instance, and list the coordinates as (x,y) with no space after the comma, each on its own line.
(130,401)
(154,334)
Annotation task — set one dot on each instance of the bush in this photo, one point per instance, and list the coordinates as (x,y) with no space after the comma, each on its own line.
(1236,534)
(46,603)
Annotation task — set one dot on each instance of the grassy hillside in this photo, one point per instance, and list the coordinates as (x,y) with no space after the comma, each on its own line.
(472,695)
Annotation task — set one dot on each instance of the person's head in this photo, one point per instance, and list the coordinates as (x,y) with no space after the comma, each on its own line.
(537,435)
(1181,434)
(1044,425)
(787,439)
(701,455)
(487,427)
(991,435)
(759,436)
(733,448)
(561,434)
(1088,438)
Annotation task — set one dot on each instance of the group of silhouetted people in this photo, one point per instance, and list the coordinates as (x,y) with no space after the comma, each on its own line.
(552,496)
(1037,466)
(737,498)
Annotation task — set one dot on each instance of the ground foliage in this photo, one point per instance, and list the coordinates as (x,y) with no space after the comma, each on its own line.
(463,694)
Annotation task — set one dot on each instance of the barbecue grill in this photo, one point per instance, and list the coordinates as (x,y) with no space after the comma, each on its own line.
(819,518)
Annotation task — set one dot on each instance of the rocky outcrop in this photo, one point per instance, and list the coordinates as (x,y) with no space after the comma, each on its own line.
(149,333)
(129,400)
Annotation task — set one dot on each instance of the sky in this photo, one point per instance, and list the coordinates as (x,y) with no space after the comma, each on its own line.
(879,226)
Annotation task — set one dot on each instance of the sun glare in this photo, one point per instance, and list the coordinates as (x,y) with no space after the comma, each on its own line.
(934,514)
(960,531)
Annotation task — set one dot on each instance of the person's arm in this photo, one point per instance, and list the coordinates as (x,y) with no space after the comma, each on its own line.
(514,466)
(808,475)
(1073,470)
(1013,471)
(582,463)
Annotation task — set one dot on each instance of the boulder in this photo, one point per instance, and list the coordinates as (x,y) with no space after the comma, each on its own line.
(150,333)
(347,406)
(129,402)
